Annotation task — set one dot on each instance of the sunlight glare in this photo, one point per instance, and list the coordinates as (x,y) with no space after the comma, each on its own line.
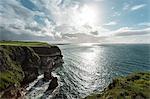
(89,59)
(88,15)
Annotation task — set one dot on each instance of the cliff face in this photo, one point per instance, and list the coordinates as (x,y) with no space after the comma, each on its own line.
(20,65)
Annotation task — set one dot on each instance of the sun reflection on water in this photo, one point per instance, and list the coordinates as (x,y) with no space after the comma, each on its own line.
(88,58)
(92,69)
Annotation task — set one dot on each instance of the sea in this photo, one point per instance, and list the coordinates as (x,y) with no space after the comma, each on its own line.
(89,68)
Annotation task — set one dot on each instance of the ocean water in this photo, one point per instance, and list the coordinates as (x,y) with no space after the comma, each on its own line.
(90,68)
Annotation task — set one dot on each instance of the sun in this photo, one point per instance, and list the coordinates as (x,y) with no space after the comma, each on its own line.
(87,15)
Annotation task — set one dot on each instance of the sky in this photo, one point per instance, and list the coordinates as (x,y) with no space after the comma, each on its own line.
(76,21)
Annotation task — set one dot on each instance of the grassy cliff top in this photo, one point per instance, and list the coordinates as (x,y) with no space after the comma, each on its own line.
(24,43)
(134,86)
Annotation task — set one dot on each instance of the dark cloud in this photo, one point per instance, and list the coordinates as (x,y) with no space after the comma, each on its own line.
(94,33)
(6,34)
(83,38)
(35,29)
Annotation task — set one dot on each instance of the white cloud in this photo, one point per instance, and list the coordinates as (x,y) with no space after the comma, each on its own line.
(83,38)
(111,23)
(138,39)
(98,0)
(17,18)
(58,16)
(116,14)
(126,7)
(59,22)
(122,35)
(144,24)
(128,35)
(125,31)
(129,7)
(136,7)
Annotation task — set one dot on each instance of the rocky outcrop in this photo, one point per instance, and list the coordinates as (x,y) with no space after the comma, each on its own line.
(20,65)
(134,86)
(50,59)
(53,84)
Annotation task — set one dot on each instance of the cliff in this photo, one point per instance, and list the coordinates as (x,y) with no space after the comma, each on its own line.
(134,86)
(22,62)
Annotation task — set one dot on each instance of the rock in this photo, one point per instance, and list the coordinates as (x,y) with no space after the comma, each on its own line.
(14,93)
(22,64)
(47,76)
(50,58)
(11,72)
(53,84)
(139,97)
(30,66)
(47,66)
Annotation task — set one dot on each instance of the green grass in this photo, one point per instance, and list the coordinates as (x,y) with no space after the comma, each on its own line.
(23,43)
(10,77)
(13,74)
(134,85)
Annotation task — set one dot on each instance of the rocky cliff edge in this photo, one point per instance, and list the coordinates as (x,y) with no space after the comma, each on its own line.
(22,62)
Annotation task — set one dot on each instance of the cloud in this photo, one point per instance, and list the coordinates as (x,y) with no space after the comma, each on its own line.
(125,31)
(98,0)
(116,14)
(111,23)
(83,38)
(126,6)
(136,7)
(94,32)
(128,35)
(8,34)
(54,20)
(122,35)
(138,39)
(42,17)
(144,24)
(16,17)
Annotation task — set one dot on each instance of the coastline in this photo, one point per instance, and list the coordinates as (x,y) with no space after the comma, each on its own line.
(23,62)
(133,86)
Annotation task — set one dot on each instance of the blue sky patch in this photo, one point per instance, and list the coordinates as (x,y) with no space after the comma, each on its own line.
(28,4)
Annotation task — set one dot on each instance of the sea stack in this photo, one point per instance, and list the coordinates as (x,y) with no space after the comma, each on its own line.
(22,62)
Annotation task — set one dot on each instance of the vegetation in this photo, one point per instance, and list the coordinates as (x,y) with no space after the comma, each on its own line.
(134,86)
(11,72)
(23,43)
(19,64)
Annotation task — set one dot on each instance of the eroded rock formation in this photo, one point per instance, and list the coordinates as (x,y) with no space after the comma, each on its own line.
(20,65)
